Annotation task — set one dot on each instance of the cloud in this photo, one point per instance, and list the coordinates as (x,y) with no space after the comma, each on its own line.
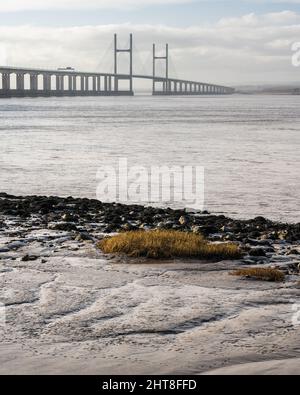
(24,5)
(249,49)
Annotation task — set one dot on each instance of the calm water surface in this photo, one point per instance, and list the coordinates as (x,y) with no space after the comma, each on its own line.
(249,146)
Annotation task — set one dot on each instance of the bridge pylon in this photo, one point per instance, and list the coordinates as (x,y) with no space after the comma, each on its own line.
(117,76)
(155,79)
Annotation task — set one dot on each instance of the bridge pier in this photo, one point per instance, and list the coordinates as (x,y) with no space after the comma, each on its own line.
(74,83)
(6,81)
(70,83)
(33,82)
(46,82)
(20,81)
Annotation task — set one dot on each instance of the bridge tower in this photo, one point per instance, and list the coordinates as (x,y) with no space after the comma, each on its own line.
(166,86)
(127,50)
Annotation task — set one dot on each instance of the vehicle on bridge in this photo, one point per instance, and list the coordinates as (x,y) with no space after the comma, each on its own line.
(66,69)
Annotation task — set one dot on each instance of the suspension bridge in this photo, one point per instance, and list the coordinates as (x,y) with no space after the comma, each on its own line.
(31,82)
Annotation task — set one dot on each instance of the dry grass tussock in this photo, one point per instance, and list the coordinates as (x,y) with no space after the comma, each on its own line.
(264,274)
(164,244)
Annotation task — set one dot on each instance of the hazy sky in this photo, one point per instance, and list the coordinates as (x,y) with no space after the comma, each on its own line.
(211,40)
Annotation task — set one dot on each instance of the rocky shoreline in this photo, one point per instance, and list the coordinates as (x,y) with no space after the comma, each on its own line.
(262,240)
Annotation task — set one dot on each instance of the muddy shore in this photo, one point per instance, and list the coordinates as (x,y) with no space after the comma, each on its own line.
(70,309)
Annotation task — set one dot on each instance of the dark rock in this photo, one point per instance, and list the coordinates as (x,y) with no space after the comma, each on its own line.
(255,234)
(260,220)
(207,230)
(109,229)
(28,258)
(83,236)
(66,227)
(129,227)
(257,252)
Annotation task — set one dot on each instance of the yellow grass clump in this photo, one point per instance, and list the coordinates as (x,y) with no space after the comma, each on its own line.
(164,244)
(264,274)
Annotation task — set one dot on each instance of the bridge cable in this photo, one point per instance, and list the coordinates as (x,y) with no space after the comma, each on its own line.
(106,63)
(172,68)
(139,64)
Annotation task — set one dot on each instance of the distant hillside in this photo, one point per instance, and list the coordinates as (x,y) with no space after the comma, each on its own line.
(269,89)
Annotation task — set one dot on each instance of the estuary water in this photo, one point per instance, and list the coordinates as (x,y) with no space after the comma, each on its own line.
(248,145)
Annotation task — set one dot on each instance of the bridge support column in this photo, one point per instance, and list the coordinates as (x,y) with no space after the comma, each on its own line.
(87,87)
(62,83)
(82,84)
(33,82)
(45,82)
(74,83)
(70,79)
(94,84)
(98,83)
(57,82)
(20,82)
(105,84)
(116,84)
(6,81)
